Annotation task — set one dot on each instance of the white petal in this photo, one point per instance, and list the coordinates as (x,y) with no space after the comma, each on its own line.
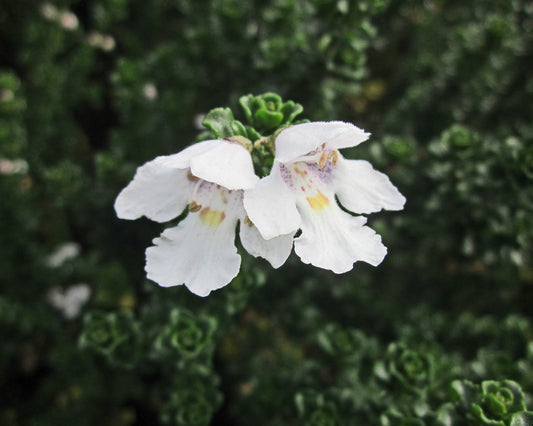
(334,240)
(202,257)
(275,250)
(271,207)
(301,139)
(362,189)
(227,164)
(182,159)
(159,191)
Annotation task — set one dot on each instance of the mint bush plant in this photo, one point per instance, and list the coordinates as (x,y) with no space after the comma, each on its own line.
(440,333)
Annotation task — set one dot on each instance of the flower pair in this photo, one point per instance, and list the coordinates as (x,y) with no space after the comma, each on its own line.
(216,180)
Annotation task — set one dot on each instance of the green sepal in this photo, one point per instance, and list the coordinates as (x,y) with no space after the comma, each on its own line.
(242,140)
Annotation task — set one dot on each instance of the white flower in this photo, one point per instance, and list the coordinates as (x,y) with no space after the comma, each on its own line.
(66,251)
(200,252)
(68,20)
(71,300)
(300,193)
(11,167)
(150,91)
(101,41)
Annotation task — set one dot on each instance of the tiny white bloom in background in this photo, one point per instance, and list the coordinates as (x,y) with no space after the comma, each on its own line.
(11,167)
(6,95)
(61,254)
(150,91)
(68,20)
(69,301)
(101,41)
(49,11)
(308,173)
(210,177)
(65,18)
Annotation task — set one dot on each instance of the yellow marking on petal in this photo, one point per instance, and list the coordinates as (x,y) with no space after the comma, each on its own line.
(211,218)
(302,173)
(248,221)
(194,206)
(223,196)
(318,202)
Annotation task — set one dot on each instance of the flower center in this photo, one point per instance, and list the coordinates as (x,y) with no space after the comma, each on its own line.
(212,201)
(309,175)
(321,156)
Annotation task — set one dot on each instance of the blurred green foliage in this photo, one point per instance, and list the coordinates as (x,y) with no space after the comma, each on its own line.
(440,334)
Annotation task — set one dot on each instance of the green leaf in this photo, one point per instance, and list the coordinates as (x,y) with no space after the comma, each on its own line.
(271,101)
(246,103)
(525,418)
(413,369)
(268,112)
(466,392)
(446,414)
(185,334)
(478,412)
(268,119)
(219,121)
(114,335)
(503,397)
(238,128)
(290,110)
(496,404)
(315,410)
(253,134)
